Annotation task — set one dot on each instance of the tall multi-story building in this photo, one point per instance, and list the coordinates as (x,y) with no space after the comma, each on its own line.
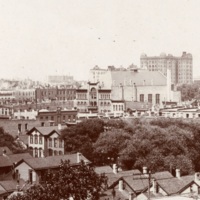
(181,67)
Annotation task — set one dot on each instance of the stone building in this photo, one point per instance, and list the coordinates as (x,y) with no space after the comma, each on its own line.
(181,67)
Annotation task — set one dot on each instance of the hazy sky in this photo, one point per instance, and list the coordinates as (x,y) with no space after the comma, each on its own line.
(44,37)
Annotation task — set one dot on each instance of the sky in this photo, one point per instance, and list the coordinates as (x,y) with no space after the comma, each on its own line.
(61,37)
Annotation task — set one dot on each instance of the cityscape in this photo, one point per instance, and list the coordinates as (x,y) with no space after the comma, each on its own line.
(99,100)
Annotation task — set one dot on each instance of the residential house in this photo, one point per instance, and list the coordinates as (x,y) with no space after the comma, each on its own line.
(45,141)
(32,169)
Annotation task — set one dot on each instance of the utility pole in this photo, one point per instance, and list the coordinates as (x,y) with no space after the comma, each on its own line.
(149,183)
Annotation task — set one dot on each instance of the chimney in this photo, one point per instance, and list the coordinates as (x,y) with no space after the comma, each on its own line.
(4,152)
(178,173)
(130,196)
(197,178)
(59,127)
(121,187)
(78,157)
(144,170)
(115,168)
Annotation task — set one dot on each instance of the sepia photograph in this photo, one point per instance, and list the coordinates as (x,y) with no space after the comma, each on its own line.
(99,100)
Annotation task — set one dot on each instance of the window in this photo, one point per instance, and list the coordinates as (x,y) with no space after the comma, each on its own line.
(50,142)
(55,142)
(40,139)
(31,139)
(141,97)
(150,98)
(36,152)
(60,143)
(36,139)
(157,98)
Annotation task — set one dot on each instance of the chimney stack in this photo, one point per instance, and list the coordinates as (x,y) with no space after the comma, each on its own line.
(115,170)
(121,187)
(78,157)
(130,196)
(178,173)
(197,178)
(144,170)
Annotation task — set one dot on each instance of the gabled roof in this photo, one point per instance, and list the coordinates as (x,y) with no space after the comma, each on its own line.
(9,185)
(17,157)
(51,161)
(8,160)
(174,185)
(103,169)
(45,130)
(162,175)
(138,184)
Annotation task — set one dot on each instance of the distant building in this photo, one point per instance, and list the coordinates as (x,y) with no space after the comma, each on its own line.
(45,141)
(59,116)
(55,93)
(60,79)
(24,95)
(181,67)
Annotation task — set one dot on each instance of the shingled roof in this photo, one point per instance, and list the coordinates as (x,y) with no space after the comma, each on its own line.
(52,161)
(45,130)
(8,160)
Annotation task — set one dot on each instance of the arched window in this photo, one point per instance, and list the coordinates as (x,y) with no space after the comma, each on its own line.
(36,139)
(50,142)
(36,152)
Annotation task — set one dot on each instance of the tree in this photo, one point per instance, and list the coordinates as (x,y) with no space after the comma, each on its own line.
(79,182)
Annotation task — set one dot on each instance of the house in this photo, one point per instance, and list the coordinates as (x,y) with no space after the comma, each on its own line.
(187,186)
(45,141)
(127,185)
(32,169)
(8,187)
(7,162)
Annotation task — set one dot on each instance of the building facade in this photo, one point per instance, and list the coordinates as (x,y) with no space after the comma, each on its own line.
(181,67)
(45,141)
(58,116)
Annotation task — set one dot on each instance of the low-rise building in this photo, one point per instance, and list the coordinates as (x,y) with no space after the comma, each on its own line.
(33,169)
(45,141)
(58,116)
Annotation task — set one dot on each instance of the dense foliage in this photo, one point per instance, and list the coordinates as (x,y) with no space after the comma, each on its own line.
(160,144)
(8,140)
(189,91)
(80,182)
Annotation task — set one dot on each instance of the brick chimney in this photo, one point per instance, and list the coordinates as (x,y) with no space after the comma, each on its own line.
(178,173)
(115,169)
(121,185)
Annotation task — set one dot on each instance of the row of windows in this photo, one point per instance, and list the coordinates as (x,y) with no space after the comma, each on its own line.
(105,96)
(35,139)
(150,98)
(118,107)
(53,118)
(82,96)
(56,143)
